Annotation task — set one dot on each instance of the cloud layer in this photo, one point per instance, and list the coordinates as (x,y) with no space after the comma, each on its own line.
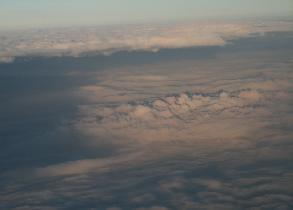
(212,133)
(106,40)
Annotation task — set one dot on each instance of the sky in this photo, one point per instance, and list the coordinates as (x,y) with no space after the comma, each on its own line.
(37,13)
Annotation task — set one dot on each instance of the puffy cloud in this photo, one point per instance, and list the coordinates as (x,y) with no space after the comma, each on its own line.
(142,113)
(250,95)
(170,110)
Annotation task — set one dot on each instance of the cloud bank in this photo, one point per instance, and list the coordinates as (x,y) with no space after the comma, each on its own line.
(106,40)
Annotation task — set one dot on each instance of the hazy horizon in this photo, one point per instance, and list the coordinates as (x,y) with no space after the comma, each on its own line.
(33,14)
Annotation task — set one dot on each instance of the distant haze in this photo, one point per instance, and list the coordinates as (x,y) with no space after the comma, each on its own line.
(44,13)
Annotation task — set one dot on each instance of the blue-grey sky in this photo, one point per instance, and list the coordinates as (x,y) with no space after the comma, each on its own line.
(35,13)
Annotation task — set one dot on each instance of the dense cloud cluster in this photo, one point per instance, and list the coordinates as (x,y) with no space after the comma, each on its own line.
(170,111)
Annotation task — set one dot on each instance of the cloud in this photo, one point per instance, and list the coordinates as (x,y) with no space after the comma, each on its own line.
(86,165)
(264,192)
(144,198)
(162,114)
(251,95)
(6,59)
(107,40)
(153,208)
(199,134)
